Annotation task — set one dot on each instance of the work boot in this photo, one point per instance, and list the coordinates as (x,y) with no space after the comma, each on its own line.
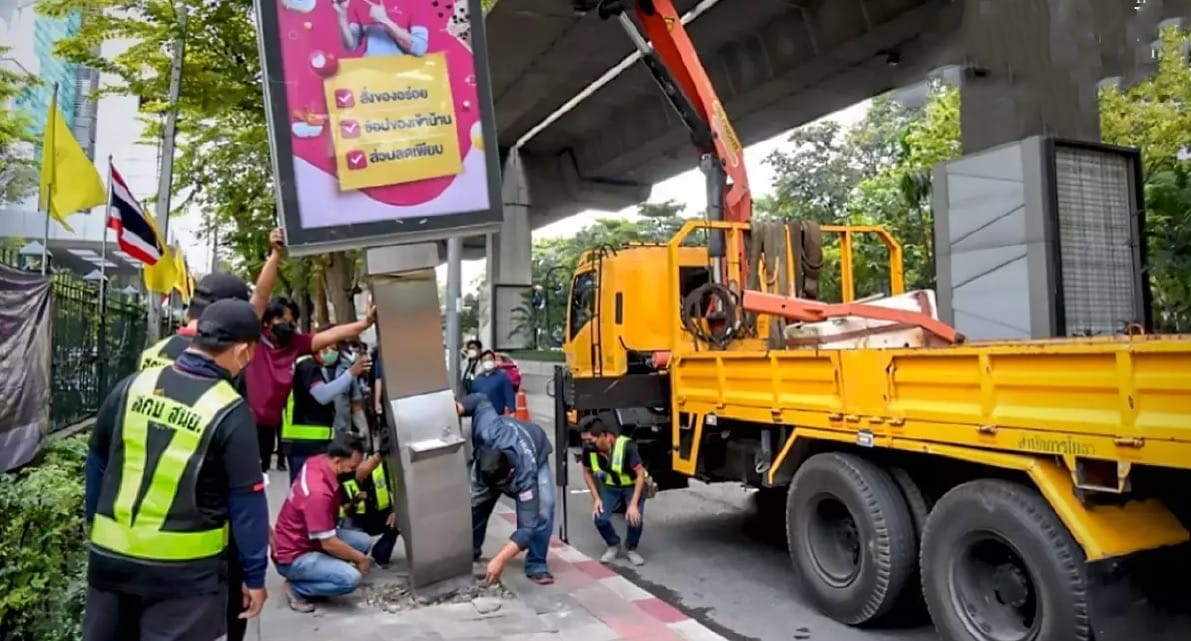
(635,558)
(610,554)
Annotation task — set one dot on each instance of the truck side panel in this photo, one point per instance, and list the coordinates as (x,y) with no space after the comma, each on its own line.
(1111,400)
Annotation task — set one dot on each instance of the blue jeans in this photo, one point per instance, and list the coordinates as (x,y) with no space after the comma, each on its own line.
(613,499)
(483,501)
(317,574)
(295,466)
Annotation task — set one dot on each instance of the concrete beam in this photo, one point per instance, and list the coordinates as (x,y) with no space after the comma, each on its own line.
(797,67)
(559,189)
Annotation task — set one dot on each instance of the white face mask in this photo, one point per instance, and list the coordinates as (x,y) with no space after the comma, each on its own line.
(488,366)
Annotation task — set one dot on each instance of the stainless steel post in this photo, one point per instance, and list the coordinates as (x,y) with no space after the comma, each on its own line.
(454,305)
(433,490)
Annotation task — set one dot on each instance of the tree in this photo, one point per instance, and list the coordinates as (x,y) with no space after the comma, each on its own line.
(1154,115)
(18,176)
(223,166)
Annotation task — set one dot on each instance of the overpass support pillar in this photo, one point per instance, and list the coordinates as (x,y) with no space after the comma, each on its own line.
(1033,68)
(509,264)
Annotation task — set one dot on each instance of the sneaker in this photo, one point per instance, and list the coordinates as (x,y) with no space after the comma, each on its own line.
(610,554)
(634,558)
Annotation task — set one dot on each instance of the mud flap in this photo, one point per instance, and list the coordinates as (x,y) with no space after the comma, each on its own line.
(1142,597)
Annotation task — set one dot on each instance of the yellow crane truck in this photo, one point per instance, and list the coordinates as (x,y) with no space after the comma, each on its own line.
(1023,490)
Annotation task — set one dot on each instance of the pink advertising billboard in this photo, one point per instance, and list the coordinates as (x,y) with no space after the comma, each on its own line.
(380,120)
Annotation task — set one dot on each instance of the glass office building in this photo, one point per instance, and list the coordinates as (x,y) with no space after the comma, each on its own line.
(53,72)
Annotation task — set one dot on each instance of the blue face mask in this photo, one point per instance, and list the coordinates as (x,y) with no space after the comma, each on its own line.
(350,357)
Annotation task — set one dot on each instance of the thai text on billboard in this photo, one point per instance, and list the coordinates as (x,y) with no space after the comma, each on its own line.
(380,119)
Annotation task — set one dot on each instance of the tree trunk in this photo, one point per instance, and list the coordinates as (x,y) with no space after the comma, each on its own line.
(340,276)
(320,298)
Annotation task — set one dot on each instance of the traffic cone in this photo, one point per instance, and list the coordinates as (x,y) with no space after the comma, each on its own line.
(522,406)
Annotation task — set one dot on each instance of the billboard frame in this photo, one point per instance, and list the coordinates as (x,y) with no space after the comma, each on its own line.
(304,242)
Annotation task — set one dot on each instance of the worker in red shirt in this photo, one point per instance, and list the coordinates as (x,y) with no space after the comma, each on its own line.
(270,375)
(315,556)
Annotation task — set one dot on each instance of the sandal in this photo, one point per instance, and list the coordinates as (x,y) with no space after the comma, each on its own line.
(542,578)
(297,603)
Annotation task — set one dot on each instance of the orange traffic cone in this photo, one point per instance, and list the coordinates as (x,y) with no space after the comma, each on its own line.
(522,406)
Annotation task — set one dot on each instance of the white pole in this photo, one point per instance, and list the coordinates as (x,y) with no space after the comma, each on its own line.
(103,247)
(51,122)
(166,175)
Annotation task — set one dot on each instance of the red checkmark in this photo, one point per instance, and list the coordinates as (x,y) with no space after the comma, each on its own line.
(344,98)
(349,129)
(357,160)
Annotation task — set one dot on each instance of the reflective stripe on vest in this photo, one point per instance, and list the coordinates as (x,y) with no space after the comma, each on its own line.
(380,486)
(302,432)
(616,477)
(136,530)
(153,357)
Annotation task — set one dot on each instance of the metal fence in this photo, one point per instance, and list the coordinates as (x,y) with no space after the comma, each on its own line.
(88,360)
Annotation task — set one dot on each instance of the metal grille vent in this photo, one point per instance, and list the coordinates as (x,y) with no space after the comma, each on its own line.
(1096,240)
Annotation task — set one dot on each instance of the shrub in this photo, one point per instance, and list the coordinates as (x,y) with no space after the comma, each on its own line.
(43,546)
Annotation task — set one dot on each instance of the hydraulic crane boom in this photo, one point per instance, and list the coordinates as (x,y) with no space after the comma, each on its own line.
(657,30)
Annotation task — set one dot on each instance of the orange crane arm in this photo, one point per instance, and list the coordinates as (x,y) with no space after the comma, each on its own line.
(667,51)
(664,30)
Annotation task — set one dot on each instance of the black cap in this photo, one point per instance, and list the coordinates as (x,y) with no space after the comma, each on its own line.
(226,322)
(217,286)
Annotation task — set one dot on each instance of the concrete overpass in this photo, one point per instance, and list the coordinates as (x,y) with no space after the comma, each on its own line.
(1028,66)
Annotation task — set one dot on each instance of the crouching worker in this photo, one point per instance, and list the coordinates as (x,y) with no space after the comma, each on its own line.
(512,458)
(369,507)
(613,471)
(316,558)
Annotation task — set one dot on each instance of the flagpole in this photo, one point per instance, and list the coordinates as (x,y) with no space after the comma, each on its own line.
(101,335)
(166,175)
(51,122)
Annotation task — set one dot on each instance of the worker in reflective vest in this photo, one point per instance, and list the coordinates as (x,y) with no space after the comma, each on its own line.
(368,506)
(307,426)
(616,476)
(170,468)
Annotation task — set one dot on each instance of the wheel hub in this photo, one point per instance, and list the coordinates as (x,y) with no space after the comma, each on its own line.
(1011,585)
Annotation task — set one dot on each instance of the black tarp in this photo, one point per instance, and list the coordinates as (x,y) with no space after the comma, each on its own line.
(25,324)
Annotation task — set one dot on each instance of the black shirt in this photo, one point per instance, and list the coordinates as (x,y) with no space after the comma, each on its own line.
(232,463)
(308,411)
(632,459)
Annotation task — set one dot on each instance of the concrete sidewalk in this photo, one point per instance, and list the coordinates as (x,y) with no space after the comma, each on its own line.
(589,602)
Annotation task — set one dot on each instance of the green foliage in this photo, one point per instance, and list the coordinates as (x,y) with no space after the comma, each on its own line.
(43,562)
(18,175)
(1154,116)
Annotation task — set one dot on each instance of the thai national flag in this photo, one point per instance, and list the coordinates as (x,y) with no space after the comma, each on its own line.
(135,233)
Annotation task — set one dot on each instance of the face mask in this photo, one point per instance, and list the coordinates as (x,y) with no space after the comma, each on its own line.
(488,366)
(243,365)
(329,356)
(350,357)
(283,332)
(471,353)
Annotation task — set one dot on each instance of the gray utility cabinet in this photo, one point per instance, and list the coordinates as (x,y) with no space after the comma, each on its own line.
(1041,238)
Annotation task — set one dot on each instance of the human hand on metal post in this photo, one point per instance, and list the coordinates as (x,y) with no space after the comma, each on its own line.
(277,240)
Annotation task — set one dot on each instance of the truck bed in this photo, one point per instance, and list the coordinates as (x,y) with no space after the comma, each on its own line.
(1124,399)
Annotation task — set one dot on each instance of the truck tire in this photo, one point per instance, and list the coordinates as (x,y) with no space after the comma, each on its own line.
(851,536)
(998,565)
(910,608)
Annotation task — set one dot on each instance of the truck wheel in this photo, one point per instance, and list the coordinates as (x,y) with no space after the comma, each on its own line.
(911,607)
(998,565)
(851,536)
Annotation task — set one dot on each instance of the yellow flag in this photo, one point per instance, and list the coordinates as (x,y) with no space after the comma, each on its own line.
(161,276)
(69,181)
(181,274)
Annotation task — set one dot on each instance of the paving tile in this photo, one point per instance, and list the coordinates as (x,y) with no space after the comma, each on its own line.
(520,623)
(595,569)
(459,630)
(625,588)
(569,555)
(660,610)
(692,630)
